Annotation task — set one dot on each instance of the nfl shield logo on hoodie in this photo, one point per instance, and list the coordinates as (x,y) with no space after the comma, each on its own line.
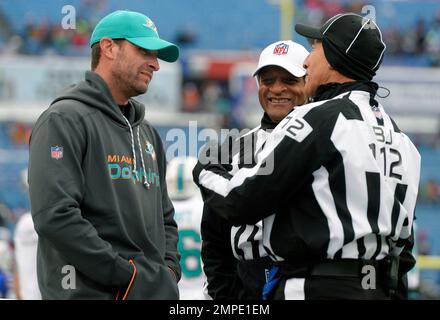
(56,152)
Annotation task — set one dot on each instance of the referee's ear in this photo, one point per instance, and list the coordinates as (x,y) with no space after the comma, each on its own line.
(257,79)
(306,98)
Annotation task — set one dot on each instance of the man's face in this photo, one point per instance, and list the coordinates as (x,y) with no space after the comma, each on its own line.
(279,91)
(133,68)
(318,69)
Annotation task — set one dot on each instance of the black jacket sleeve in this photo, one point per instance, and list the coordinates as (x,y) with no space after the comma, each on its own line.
(406,262)
(219,263)
(252,194)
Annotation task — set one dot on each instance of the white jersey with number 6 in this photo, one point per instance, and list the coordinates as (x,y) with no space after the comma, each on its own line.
(188,214)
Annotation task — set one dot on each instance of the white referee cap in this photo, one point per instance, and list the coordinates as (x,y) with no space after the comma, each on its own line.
(286,54)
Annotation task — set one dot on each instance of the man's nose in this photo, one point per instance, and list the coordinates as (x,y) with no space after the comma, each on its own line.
(278,86)
(153,63)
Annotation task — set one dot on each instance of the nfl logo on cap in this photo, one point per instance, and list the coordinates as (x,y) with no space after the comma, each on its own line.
(281,48)
(56,152)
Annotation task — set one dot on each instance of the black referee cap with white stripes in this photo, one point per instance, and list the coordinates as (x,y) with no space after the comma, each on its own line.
(352,44)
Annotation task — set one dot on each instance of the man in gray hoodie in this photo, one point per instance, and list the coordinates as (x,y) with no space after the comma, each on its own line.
(97,176)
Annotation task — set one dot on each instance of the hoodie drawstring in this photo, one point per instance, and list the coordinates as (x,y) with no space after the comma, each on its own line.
(142,160)
(132,145)
(147,185)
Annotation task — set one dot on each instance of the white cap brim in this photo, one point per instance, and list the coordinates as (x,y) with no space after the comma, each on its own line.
(297,72)
(286,54)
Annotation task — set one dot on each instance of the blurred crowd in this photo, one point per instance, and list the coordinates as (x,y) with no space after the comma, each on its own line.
(415,43)
(42,36)
(429,192)
(420,38)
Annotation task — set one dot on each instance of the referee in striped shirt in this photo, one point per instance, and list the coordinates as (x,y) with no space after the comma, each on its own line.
(343,178)
(236,259)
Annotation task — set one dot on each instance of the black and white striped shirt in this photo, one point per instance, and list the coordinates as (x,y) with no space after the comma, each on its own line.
(221,257)
(340,174)
(247,240)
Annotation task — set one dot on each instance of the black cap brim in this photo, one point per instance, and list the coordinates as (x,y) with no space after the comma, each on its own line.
(308,31)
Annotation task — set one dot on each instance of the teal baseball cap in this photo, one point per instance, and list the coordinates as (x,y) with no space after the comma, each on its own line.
(137,29)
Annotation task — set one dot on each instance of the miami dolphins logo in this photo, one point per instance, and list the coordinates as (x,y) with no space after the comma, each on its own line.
(150,24)
(149,149)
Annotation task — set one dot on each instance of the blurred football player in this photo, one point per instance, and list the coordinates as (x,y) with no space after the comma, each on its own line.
(188,206)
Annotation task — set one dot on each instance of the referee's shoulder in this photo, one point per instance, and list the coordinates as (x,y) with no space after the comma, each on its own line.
(325,110)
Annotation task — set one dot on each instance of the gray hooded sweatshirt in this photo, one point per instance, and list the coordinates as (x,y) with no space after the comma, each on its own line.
(99,200)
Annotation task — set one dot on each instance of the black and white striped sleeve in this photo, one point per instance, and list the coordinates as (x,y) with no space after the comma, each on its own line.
(290,155)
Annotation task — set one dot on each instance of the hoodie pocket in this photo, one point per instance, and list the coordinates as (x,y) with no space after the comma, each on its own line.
(122,294)
(152,281)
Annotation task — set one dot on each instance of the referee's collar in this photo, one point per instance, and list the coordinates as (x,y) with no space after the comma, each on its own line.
(331,90)
(267,122)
